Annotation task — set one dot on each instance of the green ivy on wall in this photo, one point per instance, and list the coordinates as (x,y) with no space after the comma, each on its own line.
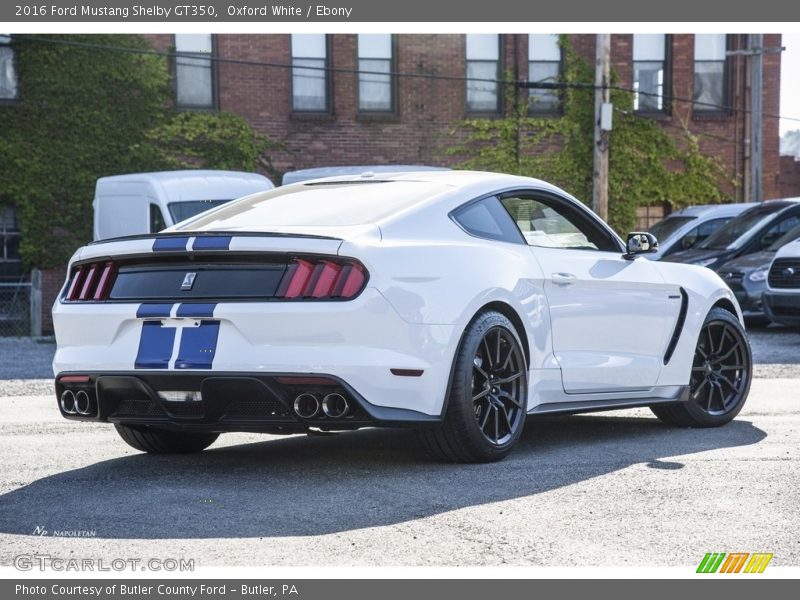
(646,164)
(85,113)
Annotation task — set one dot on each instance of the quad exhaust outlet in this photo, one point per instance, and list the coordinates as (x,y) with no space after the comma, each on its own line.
(333,406)
(306,406)
(76,403)
(68,402)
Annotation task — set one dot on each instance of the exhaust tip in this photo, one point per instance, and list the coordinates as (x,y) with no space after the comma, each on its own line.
(82,403)
(335,406)
(306,406)
(68,402)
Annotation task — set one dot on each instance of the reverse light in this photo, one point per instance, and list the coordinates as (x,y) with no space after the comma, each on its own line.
(322,278)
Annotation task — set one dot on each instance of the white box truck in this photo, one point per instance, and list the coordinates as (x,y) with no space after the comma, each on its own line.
(141,203)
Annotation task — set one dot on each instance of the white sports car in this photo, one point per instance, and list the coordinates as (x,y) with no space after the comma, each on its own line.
(453,302)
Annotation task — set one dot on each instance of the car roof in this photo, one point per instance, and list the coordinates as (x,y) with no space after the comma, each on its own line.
(719,210)
(180,174)
(349,201)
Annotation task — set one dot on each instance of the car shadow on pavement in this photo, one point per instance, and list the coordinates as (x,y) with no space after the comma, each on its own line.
(301,486)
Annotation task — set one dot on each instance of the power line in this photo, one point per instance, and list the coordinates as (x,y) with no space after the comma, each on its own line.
(397,74)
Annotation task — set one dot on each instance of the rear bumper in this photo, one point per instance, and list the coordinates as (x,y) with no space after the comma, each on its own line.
(222,402)
(783,308)
(359,342)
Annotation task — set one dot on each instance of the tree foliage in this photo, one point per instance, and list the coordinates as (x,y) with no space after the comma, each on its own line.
(646,164)
(85,113)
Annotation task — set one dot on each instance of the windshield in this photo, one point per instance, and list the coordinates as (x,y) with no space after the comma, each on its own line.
(730,233)
(190,208)
(787,237)
(667,226)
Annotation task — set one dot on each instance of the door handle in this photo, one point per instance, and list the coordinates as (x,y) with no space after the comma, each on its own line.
(563,278)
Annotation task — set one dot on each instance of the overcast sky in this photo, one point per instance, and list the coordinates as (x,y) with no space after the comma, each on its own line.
(790,82)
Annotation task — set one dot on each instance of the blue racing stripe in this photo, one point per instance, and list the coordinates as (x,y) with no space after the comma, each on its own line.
(170,244)
(153,310)
(198,346)
(214,242)
(155,346)
(196,310)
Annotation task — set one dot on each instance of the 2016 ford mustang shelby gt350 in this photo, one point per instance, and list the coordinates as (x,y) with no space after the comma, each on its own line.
(453,302)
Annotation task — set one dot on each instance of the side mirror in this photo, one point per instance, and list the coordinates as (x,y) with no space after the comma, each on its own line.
(640,242)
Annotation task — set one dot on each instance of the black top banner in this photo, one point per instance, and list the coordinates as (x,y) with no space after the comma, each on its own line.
(130,11)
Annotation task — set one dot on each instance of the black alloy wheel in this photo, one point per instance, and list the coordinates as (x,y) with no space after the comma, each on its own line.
(487,400)
(722,370)
(497,375)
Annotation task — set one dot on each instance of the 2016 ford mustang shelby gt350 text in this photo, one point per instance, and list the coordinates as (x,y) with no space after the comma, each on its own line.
(453,302)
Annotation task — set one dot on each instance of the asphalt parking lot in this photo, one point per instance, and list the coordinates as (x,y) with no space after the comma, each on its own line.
(611,489)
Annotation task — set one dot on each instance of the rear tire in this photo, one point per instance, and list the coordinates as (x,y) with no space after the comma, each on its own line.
(721,373)
(487,404)
(154,441)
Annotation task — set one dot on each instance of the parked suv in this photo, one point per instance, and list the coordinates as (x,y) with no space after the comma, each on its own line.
(685,228)
(782,296)
(747,277)
(754,230)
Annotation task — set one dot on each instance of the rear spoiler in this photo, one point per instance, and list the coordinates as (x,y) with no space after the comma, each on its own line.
(210,234)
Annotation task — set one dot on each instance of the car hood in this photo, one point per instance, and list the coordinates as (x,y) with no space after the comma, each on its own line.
(747,262)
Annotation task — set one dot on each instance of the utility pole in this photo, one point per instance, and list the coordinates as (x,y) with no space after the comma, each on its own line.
(756,51)
(602,124)
(756,44)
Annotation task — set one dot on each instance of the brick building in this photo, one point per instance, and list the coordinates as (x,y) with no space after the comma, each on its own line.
(306,91)
(339,117)
(789,177)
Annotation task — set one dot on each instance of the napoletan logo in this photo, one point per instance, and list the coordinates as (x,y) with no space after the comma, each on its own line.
(734,562)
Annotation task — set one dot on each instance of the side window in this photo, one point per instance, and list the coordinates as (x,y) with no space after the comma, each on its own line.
(486,218)
(777,230)
(550,223)
(156,219)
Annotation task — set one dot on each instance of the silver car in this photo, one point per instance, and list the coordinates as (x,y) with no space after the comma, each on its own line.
(689,226)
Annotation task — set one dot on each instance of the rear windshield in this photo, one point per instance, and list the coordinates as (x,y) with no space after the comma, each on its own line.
(664,229)
(318,205)
(190,208)
(731,233)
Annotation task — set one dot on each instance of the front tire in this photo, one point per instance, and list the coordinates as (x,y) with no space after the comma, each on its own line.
(721,373)
(154,441)
(487,404)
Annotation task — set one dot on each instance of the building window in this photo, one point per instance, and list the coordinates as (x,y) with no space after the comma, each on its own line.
(544,66)
(375,82)
(195,72)
(649,72)
(710,72)
(483,71)
(8,76)
(309,74)
(10,260)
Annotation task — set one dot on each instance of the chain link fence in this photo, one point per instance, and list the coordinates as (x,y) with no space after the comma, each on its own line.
(21,307)
(15,309)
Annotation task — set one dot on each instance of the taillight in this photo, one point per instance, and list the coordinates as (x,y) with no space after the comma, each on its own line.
(322,278)
(91,281)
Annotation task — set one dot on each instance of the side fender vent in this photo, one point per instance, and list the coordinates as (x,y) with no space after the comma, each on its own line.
(676,335)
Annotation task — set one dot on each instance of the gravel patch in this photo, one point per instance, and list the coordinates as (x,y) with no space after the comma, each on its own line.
(26,358)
